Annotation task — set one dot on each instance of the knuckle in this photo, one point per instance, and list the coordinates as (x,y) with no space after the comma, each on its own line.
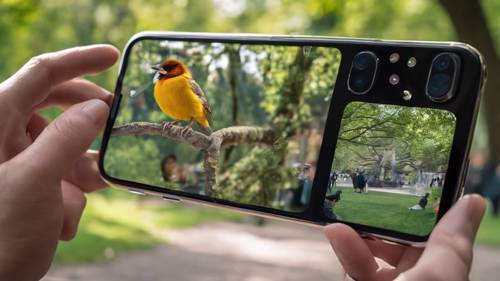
(67,127)
(41,65)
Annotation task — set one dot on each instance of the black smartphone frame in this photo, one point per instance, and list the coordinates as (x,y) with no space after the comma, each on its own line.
(464,106)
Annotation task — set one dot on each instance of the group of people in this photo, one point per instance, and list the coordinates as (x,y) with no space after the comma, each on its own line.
(359,181)
(436,181)
(358,177)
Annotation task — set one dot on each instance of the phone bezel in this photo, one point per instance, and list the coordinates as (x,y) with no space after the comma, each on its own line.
(465,108)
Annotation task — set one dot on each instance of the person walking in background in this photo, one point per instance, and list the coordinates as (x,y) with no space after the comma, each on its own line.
(433,180)
(333,181)
(361,182)
(354,176)
(492,191)
(307,179)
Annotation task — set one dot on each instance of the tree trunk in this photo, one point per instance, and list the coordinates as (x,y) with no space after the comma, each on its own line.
(262,170)
(471,27)
(235,86)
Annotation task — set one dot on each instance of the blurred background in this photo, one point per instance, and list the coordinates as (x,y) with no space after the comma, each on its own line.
(124,237)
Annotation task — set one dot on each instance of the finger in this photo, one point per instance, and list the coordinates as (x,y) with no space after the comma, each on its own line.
(460,224)
(64,96)
(85,173)
(36,125)
(391,253)
(353,253)
(74,202)
(64,141)
(31,84)
(400,256)
(74,91)
(450,244)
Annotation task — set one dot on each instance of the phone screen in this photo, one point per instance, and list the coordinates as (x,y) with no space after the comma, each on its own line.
(389,166)
(266,106)
(245,123)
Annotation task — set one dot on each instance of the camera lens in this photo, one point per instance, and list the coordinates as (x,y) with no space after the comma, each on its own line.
(442,79)
(360,81)
(363,71)
(362,61)
(442,63)
(439,85)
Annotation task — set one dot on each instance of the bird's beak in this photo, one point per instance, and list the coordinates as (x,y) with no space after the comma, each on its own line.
(159,69)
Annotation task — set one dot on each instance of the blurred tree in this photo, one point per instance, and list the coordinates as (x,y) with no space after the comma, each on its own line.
(29,27)
(472,27)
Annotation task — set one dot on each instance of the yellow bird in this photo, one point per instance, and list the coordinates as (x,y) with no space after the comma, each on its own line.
(180,97)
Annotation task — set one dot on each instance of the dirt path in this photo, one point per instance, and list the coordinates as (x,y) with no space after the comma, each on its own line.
(229,251)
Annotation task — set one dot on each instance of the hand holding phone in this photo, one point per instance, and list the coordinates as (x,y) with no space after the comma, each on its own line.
(370,133)
(45,170)
(450,246)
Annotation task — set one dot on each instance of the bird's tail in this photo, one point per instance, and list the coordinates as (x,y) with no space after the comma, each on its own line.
(206,130)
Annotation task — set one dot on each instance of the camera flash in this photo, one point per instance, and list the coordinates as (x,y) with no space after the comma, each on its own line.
(394,79)
(411,62)
(406,95)
(394,58)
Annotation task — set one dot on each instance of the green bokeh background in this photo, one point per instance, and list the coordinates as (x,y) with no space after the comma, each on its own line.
(30,27)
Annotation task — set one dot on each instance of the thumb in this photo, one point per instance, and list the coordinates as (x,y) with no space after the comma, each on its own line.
(448,253)
(64,140)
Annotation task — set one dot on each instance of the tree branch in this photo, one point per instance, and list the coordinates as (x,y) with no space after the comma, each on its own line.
(208,145)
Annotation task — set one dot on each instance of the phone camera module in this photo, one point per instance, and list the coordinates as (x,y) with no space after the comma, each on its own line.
(442,80)
(442,62)
(363,71)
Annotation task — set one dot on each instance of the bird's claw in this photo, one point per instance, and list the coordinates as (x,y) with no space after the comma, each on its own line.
(167,125)
(186,131)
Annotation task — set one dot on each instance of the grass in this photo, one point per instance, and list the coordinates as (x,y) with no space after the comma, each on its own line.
(489,230)
(386,210)
(114,223)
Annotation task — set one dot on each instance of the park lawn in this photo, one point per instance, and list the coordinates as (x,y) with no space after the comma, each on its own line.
(385,210)
(114,223)
(488,230)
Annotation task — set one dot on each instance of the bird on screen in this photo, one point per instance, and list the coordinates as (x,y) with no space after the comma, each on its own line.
(180,97)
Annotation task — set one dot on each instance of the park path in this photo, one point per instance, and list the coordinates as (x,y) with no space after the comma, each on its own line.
(398,190)
(238,251)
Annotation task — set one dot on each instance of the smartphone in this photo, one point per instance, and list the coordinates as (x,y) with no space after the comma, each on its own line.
(371,133)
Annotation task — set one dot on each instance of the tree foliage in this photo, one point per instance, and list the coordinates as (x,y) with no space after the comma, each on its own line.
(273,87)
(30,27)
(373,136)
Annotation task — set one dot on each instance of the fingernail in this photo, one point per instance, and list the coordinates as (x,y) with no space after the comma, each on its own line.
(95,110)
(466,197)
(474,204)
(109,99)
